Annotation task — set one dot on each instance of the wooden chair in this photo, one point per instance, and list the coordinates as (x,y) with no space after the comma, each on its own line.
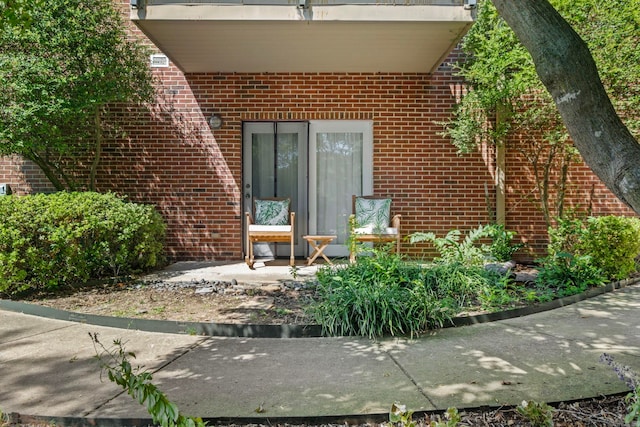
(274,223)
(377,227)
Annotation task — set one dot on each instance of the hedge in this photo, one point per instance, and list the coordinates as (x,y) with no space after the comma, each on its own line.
(611,242)
(47,240)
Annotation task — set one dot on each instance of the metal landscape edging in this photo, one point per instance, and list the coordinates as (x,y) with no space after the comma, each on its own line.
(279,331)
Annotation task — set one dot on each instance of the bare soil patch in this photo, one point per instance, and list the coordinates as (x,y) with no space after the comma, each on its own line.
(196,301)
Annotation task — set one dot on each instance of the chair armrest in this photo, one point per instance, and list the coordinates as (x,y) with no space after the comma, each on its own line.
(395,222)
(292,219)
(249,218)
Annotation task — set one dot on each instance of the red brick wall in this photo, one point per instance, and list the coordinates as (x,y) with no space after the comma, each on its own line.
(23,176)
(194,174)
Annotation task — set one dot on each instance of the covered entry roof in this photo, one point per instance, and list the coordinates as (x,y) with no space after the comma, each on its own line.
(258,36)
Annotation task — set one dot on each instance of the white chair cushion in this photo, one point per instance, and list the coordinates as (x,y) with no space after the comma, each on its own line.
(270,228)
(370,230)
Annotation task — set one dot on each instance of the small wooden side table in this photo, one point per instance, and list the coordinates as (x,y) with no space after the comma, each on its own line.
(319,244)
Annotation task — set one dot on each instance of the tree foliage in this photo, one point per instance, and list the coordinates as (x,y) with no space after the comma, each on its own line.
(506,95)
(569,72)
(60,73)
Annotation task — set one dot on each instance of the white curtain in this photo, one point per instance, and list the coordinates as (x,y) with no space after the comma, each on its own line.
(339,158)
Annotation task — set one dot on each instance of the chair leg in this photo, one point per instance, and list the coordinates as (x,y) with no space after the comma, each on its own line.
(292,258)
(249,259)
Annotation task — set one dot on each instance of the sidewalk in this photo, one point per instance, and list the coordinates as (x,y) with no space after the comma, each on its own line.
(47,366)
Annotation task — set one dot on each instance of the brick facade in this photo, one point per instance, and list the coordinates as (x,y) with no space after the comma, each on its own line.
(171,157)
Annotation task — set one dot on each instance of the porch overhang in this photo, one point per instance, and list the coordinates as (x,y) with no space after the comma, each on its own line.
(258,36)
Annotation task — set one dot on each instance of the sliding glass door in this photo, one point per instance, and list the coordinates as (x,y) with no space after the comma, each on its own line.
(319,165)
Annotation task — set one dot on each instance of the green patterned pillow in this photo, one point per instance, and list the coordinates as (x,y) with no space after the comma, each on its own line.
(272,212)
(374,213)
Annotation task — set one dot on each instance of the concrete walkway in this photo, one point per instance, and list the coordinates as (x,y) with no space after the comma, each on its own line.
(47,366)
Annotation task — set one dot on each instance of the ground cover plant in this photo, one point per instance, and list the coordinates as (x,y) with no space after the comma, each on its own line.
(386,294)
(51,240)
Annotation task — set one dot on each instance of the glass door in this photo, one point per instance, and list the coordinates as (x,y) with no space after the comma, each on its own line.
(275,165)
(340,165)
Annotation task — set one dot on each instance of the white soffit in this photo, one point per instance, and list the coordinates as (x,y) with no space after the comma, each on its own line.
(285,38)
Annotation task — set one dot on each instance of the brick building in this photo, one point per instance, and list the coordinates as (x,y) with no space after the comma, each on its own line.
(315,101)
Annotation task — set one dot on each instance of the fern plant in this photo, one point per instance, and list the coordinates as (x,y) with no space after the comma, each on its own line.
(454,250)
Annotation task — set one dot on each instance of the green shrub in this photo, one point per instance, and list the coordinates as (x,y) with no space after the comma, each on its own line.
(48,240)
(502,247)
(565,236)
(565,274)
(613,243)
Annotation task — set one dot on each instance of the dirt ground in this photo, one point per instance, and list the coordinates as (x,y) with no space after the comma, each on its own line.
(202,301)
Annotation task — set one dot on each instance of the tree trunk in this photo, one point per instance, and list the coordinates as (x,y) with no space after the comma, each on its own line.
(46,169)
(569,73)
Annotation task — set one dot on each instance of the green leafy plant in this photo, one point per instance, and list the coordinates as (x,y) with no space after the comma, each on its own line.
(384,294)
(137,383)
(501,292)
(454,250)
(399,415)
(565,274)
(613,243)
(565,236)
(538,414)
(64,238)
(452,419)
(293,270)
(502,247)
(375,296)
(633,414)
